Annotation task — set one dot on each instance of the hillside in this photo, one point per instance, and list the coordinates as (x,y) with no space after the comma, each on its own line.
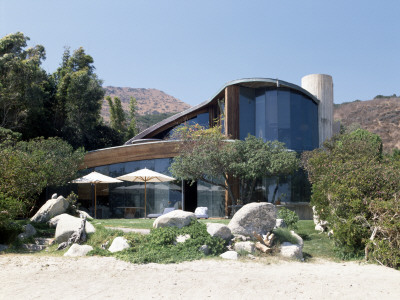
(149,101)
(380,115)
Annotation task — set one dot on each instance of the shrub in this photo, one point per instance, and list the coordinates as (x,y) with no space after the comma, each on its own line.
(290,217)
(353,186)
(385,241)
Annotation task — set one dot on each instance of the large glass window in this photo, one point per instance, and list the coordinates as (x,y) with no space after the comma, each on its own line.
(247,108)
(279,114)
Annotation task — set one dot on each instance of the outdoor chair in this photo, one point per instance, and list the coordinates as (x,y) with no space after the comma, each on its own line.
(201,212)
(165,211)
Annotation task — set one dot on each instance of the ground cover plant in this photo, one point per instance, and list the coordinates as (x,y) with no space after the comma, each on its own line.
(160,245)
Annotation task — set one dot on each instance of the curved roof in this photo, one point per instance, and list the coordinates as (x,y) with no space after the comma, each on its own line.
(245,82)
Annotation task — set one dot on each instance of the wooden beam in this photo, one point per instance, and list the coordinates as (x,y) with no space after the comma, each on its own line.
(149,150)
(232,111)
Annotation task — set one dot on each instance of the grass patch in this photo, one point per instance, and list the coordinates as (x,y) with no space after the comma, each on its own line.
(144,223)
(283,235)
(316,245)
(125,223)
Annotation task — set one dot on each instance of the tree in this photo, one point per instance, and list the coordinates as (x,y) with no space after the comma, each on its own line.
(78,99)
(206,154)
(351,182)
(132,127)
(257,159)
(26,168)
(117,117)
(25,88)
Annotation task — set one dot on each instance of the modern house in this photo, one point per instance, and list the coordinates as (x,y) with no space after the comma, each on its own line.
(272,109)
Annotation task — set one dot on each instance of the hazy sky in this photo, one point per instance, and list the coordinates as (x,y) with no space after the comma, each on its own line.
(190,49)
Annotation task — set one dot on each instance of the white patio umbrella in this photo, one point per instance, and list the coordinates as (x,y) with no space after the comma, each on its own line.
(95,178)
(145,175)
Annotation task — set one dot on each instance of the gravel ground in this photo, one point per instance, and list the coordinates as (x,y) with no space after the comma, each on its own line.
(49,277)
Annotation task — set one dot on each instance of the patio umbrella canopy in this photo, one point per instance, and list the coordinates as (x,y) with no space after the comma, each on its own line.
(145,175)
(95,178)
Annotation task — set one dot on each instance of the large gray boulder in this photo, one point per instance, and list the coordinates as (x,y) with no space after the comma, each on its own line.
(29,231)
(254,217)
(52,208)
(245,246)
(119,243)
(67,225)
(175,218)
(219,230)
(291,251)
(233,255)
(78,250)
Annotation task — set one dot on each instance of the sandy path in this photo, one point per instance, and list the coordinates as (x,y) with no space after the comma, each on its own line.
(45,277)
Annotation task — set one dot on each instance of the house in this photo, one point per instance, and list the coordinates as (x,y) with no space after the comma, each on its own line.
(271,109)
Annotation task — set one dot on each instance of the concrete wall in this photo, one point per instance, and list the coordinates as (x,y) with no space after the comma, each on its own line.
(321,86)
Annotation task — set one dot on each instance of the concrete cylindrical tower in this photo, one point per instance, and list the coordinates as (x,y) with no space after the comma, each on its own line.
(321,86)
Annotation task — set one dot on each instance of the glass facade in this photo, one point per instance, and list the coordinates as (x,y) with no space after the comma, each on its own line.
(286,116)
(202,119)
(279,114)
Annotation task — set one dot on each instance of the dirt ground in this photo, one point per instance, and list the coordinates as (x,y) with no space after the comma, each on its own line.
(48,277)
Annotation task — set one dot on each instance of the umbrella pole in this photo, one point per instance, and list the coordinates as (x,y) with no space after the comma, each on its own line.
(95,200)
(145,199)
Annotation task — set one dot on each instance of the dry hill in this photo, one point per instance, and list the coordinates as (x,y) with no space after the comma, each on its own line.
(380,115)
(150,101)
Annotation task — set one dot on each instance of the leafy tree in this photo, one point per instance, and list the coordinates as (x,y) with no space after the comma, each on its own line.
(78,99)
(25,89)
(132,127)
(206,154)
(351,181)
(26,168)
(257,159)
(117,115)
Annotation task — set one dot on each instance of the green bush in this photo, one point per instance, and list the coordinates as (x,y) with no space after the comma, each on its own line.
(385,245)
(353,186)
(290,217)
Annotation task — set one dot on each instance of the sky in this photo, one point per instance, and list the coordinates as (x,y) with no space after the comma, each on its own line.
(190,49)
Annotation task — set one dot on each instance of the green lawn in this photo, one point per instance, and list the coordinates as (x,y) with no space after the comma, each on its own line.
(316,245)
(143,223)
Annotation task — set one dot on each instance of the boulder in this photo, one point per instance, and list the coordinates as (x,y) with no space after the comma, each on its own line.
(320,225)
(78,250)
(298,238)
(219,230)
(83,214)
(52,208)
(280,223)
(119,243)
(53,221)
(254,217)
(182,238)
(54,196)
(291,251)
(205,249)
(230,255)
(175,218)
(67,225)
(29,231)
(245,246)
